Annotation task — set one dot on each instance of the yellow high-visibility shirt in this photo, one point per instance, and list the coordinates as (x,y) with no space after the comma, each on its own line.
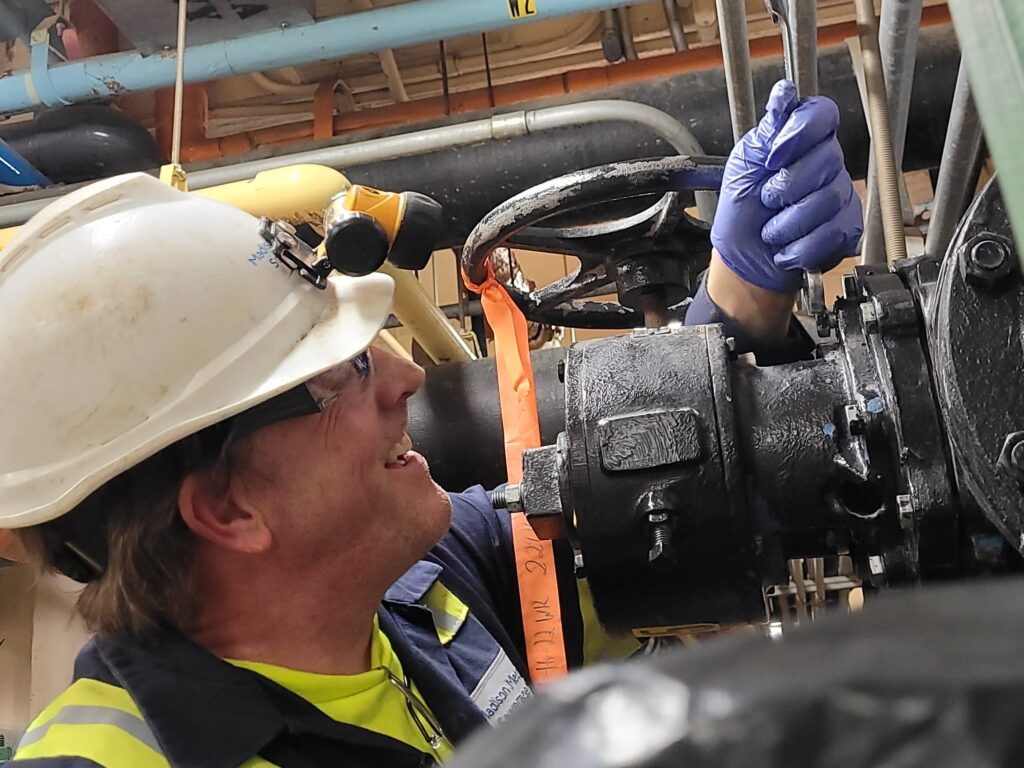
(368,700)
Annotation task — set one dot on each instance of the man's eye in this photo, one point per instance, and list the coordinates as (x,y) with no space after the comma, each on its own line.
(361,365)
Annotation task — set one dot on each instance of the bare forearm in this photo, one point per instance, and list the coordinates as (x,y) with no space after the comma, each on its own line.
(762,313)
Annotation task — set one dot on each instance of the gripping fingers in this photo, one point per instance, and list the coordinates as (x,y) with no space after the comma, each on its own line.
(811,172)
(828,244)
(781,103)
(810,124)
(802,218)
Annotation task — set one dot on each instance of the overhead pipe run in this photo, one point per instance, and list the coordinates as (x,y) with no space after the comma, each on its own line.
(45,84)
(490,171)
(506,126)
(574,83)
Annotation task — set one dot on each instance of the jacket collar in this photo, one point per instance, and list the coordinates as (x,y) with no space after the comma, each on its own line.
(205,712)
(414,584)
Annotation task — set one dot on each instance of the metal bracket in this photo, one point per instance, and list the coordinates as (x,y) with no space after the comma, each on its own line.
(45,46)
(293,253)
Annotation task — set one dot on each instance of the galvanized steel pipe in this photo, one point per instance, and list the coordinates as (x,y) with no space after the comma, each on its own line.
(881,137)
(675,29)
(739,83)
(803,22)
(958,171)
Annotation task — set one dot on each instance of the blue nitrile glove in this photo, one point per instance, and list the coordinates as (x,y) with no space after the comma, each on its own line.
(787,204)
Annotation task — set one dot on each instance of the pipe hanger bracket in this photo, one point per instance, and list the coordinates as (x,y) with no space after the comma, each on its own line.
(45,46)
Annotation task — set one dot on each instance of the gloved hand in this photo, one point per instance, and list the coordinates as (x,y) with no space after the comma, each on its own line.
(787,203)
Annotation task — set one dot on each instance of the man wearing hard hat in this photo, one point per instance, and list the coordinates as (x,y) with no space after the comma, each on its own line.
(208,443)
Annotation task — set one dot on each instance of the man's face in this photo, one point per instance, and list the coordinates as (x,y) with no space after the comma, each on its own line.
(342,486)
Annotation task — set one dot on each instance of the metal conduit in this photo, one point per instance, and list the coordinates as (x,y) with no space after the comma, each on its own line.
(675,29)
(506,126)
(626,32)
(803,19)
(881,138)
(959,169)
(897,43)
(732,27)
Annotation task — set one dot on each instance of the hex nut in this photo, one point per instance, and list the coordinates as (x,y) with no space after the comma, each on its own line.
(513,498)
(986,261)
(869,316)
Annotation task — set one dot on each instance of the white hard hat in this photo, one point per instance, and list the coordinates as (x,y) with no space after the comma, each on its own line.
(133,315)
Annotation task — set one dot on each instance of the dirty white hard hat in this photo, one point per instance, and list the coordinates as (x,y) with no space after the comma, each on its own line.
(133,315)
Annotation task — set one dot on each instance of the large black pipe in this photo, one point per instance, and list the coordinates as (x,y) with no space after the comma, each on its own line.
(455,419)
(82,142)
(470,181)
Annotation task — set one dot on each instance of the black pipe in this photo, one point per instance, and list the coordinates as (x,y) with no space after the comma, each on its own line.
(455,419)
(82,142)
(470,181)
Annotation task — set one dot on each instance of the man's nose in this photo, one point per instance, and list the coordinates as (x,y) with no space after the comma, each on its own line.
(397,379)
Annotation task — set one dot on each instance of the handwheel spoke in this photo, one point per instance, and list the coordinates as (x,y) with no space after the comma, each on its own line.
(588,252)
(578,285)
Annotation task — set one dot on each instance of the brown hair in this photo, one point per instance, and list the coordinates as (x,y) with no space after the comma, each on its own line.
(147,581)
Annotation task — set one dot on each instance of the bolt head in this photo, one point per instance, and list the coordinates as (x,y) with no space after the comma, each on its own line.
(1017,456)
(869,317)
(513,498)
(989,255)
(986,261)
(1011,458)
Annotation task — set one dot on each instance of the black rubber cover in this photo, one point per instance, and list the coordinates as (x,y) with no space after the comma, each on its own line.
(417,236)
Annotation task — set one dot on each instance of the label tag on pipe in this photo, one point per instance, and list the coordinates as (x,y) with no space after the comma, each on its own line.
(519,8)
(535,558)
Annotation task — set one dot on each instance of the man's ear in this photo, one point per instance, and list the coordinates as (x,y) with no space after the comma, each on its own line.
(213,514)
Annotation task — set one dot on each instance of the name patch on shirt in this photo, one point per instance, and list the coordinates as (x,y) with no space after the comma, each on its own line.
(501,690)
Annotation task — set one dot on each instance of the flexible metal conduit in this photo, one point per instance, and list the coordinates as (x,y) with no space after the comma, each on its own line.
(739,83)
(881,139)
(328,40)
(897,44)
(958,171)
(498,127)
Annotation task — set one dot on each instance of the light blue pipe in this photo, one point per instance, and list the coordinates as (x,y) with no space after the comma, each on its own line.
(396,26)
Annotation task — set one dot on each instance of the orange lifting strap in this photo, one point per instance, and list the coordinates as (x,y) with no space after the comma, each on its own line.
(535,559)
